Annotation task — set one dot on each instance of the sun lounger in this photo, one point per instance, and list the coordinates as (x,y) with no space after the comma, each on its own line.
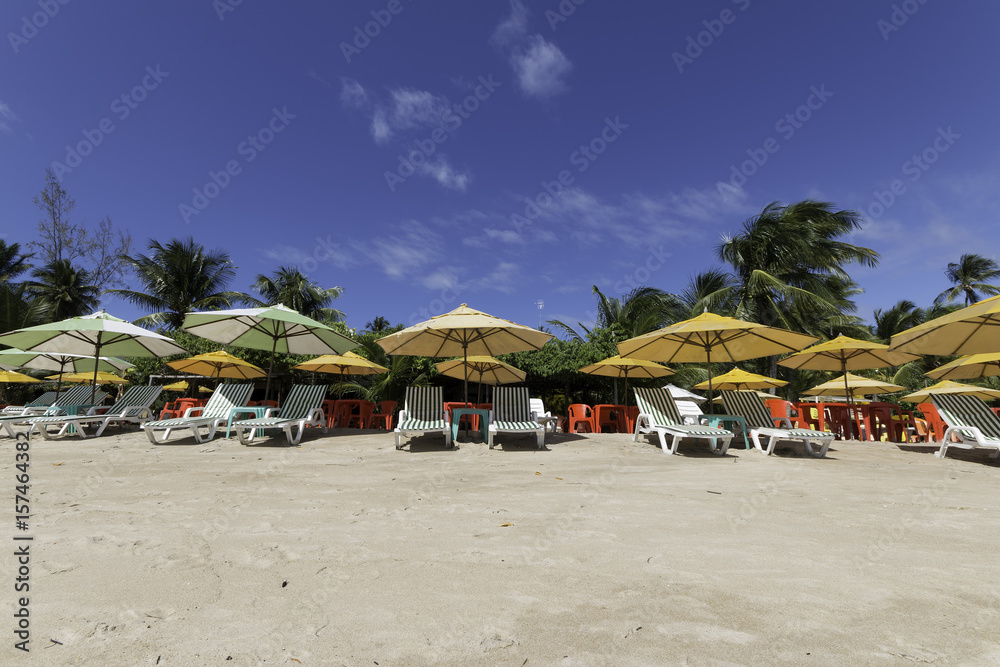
(36,406)
(133,406)
(74,397)
(512,414)
(544,417)
(302,407)
(423,412)
(760,422)
(970,420)
(658,414)
(210,416)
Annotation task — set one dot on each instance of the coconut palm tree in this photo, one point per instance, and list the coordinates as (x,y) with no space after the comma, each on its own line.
(12,261)
(789,263)
(708,291)
(180,277)
(378,325)
(63,289)
(289,287)
(18,309)
(642,310)
(968,277)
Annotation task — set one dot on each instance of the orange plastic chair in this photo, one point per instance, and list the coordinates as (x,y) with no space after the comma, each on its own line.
(937,427)
(631,414)
(384,415)
(170,410)
(580,414)
(785,409)
(606,415)
(363,417)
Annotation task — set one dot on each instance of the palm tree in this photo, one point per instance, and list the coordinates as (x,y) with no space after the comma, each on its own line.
(18,309)
(63,290)
(708,291)
(378,325)
(180,277)
(12,261)
(789,264)
(900,317)
(968,277)
(289,287)
(642,310)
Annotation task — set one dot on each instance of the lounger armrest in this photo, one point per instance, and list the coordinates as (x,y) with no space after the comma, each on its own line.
(317,414)
(402,417)
(190,412)
(272,412)
(534,416)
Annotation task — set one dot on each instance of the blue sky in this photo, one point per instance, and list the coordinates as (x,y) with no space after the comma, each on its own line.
(501,153)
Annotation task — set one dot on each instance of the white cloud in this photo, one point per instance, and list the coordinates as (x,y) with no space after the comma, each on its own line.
(441,171)
(352,93)
(502,278)
(405,252)
(540,66)
(6,114)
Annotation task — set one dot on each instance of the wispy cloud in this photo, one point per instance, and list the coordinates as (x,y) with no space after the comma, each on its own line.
(441,171)
(406,251)
(540,67)
(402,110)
(7,116)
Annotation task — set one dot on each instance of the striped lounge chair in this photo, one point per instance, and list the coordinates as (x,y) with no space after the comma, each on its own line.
(74,396)
(133,406)
(36,406)
(760,422)
(658,414)
(423,411)
(512,414)
(302,407)
(969,418)
(211,415)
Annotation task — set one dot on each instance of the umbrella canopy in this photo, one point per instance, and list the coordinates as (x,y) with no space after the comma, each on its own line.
(219,364)
(345,364)
(969,366)
(274,328)
(710,337)
(855,384)
(13,376)
(739,379)
(619,367)
(462,332)
(100,377)
(684,394)
(183,386)
(971,330)
(488,370)
(762,394)
(846,354)
(13,359)
(91,335)
(949,387)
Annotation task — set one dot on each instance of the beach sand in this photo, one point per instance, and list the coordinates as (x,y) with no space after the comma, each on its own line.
(595,551)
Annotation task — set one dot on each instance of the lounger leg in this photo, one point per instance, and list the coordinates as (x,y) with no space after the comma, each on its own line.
(669,451)
(541,439)
(770,444)
(242,433)
(294,440)
(399,437)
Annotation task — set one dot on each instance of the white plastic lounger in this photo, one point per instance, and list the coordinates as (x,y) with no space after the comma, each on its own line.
(423,412)
(512,414)
(971,420)
(214,413)
(759,422)
(658,414)
(302,407)
(133,406)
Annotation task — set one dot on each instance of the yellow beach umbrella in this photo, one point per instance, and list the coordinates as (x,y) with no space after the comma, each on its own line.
(949,387)
(488,370)
(739,379)
(216,365)
(344,364)
(619,367)
(843,354)
(969,366)
(971,330)
(857,386)
(101,377)
(762,394)
(182,386)
(710,337)
(462,332)
(14,376)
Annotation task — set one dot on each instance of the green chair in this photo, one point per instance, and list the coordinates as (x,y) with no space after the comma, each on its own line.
(302,407)
(658,414)
(760,422)
(423,412)
(133,406)
(210,416)
(512,414)
(970,420)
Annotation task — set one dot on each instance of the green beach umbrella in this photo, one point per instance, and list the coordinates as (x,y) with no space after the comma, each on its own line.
(274,328)
(92,335)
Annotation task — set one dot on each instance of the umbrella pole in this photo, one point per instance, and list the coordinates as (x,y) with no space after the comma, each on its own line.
(465,365)
(270,370)
(97,361)
(708,353)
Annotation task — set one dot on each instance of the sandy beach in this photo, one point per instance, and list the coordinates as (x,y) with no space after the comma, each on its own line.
(595,551)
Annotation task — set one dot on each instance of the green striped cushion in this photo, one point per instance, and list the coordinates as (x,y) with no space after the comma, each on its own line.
(511,404)
(517,426)
(748,405)
(958,411)
(224,398)
(422,424)
(136,399)
(302,400)
(424,404)
(659,404)
(180,421)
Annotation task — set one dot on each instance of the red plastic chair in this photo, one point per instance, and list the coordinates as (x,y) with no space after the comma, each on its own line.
(363,417)
(786,410)
(607,415)
(937,427)
(383,416)
(631,414)
(580,414)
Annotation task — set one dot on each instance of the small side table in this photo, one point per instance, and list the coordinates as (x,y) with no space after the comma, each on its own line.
(715,420)
(257,410)
(456,417)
